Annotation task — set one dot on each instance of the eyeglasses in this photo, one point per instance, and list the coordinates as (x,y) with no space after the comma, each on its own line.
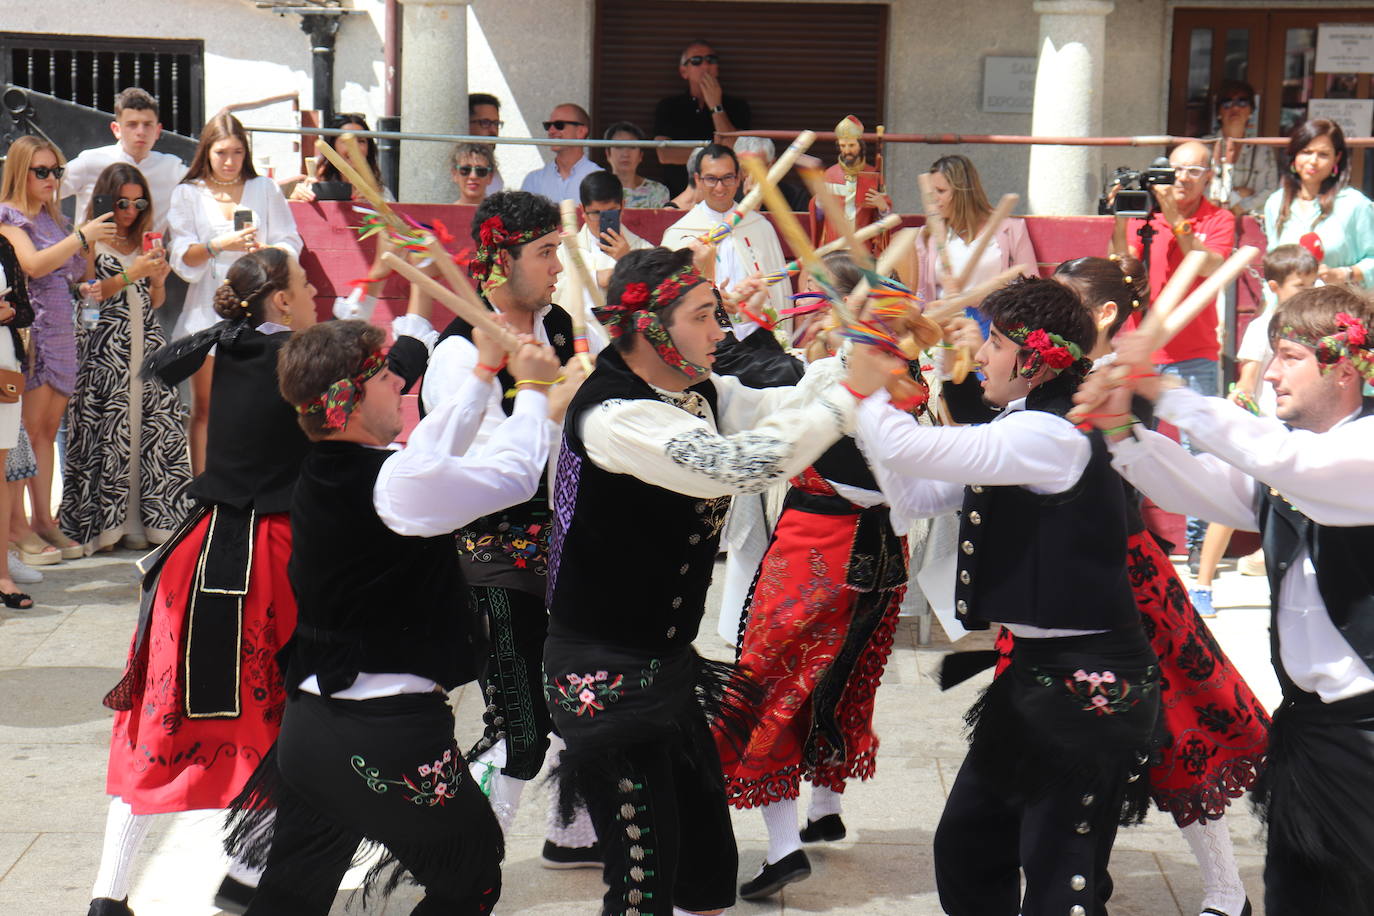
(43,171)
(486,123)
(559,125)
(712,180)
(139,203)
(696,60)
(1190,171)
(1236,103)
(482,171)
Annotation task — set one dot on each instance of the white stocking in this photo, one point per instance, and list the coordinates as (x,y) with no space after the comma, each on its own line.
(824,800)
(784,837)
(1216,859)
(580,833)
(124,833)
(505,798)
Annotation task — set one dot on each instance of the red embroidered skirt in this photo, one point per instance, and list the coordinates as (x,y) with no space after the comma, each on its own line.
(817,647)
(160,759)
(1218,731)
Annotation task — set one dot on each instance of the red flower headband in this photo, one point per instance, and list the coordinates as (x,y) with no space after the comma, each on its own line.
(341,397)
(1351,341)
(493,238)
(638,310)
(1046,349)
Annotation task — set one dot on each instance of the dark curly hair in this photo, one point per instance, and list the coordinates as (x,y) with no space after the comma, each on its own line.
(519,211)
(650,266)
(1045,304)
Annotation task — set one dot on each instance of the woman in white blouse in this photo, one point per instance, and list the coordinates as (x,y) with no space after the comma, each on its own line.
(205,243)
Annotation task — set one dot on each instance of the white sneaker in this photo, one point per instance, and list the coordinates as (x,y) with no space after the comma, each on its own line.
(21,572)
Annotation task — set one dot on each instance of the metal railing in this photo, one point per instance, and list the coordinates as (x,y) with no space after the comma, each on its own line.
(489,141)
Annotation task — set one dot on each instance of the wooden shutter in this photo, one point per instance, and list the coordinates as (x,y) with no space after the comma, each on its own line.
(799,65)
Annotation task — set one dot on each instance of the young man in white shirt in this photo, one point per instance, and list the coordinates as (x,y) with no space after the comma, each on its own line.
(1301,479)
(601,192)
(559,179)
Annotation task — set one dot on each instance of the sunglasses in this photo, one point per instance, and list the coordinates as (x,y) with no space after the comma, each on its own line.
(481,171)
(139,203)
(1236,103)
(43,171)
(486,123)
(559,125)
(696,60)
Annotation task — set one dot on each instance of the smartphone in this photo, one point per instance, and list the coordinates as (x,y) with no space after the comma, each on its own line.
(151,240)
(610,219)
(242,219)
(102,204)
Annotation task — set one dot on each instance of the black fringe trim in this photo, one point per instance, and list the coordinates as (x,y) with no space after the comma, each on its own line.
(179,360)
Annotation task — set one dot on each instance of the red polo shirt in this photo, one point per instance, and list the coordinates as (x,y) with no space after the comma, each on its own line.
(1216,229)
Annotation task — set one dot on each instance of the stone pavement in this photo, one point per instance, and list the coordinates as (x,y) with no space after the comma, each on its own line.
(58,659)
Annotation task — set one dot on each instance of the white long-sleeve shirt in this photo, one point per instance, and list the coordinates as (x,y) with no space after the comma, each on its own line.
(1319,473)
(758,437)
(162,170)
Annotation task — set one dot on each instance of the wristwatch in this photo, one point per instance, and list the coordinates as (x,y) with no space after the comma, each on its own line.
(719,109)
(1183,227)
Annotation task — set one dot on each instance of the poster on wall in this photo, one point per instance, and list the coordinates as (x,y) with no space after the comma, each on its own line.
(1353,115)
(1345,48)
(1009,84)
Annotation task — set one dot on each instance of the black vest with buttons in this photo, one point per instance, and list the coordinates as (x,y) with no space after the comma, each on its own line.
(1342,556)
(1052,561)
(510,548)
(631,562)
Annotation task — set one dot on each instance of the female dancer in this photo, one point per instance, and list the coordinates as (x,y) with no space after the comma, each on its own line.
(50,255)
(126,469)
(209,234)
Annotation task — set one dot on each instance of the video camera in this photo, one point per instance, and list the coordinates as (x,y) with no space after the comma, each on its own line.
(1134,194)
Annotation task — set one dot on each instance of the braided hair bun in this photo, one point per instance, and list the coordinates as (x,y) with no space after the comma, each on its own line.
(251,280)
(228,304)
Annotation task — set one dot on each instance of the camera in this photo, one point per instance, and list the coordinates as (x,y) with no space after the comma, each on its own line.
(1134,194)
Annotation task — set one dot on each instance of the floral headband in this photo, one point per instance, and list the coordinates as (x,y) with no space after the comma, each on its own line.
(1046,349)
(492,239)
(1351,341)
(341,397)
(638,310)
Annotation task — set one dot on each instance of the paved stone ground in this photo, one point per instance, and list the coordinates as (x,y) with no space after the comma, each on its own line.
(58,659)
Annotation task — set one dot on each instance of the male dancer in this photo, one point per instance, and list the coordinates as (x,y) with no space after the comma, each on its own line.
(506,553)
(1058,739)
(653,447)
(367,749)
(1298,478)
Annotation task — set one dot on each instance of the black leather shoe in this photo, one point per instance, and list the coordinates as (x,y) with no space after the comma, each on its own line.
(772,878)
(826,830)
(108,906)
(1246,911)
(555,856)
(234,896)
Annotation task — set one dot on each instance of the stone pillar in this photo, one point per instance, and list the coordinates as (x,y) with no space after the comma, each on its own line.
(1068,103)
(434,94)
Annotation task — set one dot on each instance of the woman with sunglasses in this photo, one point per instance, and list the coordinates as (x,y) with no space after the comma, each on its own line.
(50,253)
(474,169)
(1245,175)
(126,466)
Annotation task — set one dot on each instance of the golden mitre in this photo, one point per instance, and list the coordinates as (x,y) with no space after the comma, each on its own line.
(851,128)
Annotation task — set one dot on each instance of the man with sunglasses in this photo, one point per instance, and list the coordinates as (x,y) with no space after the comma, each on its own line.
(1186,222)
(561,178)
(700,113)
(484,120)
(137,128)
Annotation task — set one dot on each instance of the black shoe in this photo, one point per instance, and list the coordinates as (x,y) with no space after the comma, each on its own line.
(234,896)
(108,906)
(1194,560)
(826,830)
(772,878)
(555,856)
(1246,911)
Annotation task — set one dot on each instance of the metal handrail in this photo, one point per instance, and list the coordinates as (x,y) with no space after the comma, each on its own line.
(1021,140)
(485,141)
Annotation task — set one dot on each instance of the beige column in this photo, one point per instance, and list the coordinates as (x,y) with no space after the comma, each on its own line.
(1064,180)
(434,93)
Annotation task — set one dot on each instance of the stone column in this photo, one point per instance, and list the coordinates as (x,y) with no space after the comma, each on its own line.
(1068,103)
(434,93)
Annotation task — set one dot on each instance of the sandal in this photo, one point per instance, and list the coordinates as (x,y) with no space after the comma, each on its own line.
(70,549)
(35,551)
(16,600)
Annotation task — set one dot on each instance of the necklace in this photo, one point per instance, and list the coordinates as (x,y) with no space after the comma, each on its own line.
(223,184)
(122,238)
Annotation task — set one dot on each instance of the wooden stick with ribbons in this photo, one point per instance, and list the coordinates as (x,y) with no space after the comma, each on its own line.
(581,281)
(980,244)
(780,167)
(361,184)
(470,310)
(872,230)
(832,207)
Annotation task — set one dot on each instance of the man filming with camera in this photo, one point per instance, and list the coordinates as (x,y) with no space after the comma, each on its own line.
(1183,221)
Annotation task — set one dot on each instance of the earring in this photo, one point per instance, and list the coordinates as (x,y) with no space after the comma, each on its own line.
(286,319)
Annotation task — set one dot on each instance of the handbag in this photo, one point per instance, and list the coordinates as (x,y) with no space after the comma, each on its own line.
(11,386)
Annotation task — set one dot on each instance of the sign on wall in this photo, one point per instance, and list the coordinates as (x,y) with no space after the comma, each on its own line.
(1009,84)
(1345,48)
(1353,115)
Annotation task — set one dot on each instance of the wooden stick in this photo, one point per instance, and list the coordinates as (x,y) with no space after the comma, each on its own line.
(1172,293)
(891,221)
(361,184)
(477,316)
(935,225)
(901,246)
(980,244)
(454,277)
(580,277)
(1180,317)
(944,309)
(776,172)
(352,151)
(833,209)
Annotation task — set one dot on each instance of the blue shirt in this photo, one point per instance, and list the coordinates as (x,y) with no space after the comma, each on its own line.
(555,187)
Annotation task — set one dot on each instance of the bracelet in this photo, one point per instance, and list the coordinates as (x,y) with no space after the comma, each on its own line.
(81,237)
(125,277)
(210,250)
(535,381)
(492,369)
(845,386)
(1125,427)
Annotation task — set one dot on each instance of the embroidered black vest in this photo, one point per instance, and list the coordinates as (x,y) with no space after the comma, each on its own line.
(1342,556)
(631,562)
(510,548)
(370,599)
(1052,561)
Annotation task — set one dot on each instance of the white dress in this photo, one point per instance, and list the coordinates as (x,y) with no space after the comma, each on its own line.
(195,217)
